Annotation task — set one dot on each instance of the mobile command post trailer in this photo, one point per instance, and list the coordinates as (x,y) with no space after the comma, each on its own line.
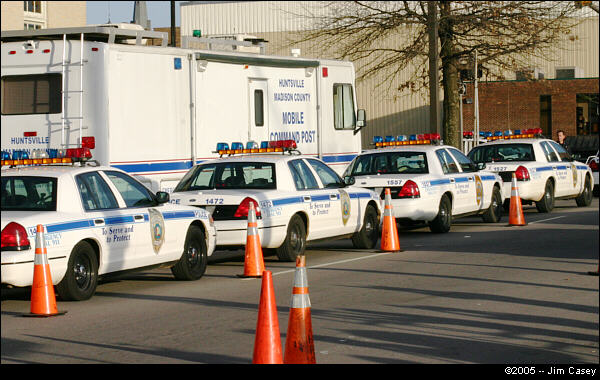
(153,111)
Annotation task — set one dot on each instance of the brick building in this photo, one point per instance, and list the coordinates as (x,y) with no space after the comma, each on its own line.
(551,104)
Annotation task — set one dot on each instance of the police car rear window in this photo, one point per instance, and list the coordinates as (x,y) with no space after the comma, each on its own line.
(502,153)
(230,175)
(390,163)
(28,194)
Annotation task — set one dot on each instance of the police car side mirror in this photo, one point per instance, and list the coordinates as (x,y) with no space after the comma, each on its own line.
(361,120)
(349,181)
(162,197)
(480,165)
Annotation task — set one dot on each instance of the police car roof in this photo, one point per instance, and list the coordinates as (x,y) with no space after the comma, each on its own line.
(52,170)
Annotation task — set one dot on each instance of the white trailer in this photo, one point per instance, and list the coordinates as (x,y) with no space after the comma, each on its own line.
(154,111)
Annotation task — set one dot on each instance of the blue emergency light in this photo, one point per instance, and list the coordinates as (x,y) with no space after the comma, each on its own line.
(401,138)
(389,139)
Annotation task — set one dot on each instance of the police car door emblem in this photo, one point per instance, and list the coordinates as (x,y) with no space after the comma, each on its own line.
(157,229)
(574,170)
(478,190)
(345,199)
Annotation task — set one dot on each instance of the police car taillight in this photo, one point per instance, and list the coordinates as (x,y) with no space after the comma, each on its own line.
(14,238)
(409,190)
(593,165)
(244,208)
(522,173)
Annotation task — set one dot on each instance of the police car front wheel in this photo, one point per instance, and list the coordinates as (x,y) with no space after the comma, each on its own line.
(192,264)
(546,204)
(585,198)
(81,277)
(367,237)
(295,240)
(443,220)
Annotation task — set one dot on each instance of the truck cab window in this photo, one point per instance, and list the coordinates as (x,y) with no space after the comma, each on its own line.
(344,115)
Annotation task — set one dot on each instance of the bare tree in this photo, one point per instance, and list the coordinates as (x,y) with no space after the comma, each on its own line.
(507,35)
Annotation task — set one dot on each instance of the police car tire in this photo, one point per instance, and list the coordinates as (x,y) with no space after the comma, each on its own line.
(443,220)
(546,204)
(367,239)
(78,288)
(585,198)
(295,240)
(494,213)
(192,268)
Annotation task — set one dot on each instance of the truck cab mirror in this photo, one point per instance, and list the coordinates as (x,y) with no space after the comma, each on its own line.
(361,120)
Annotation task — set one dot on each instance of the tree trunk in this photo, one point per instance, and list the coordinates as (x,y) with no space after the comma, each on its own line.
(451,106)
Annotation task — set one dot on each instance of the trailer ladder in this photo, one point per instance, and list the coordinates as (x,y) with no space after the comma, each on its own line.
(65,93)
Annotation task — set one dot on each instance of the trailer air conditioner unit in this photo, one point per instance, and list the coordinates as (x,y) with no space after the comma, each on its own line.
(531,73)
(569,72)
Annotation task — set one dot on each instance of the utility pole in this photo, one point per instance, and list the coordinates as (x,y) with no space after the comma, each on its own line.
(434,79)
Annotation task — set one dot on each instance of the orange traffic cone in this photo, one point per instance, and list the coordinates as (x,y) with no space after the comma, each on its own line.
(389,232)
(253,263)
(299,344)
(515,216)
(267,343)
(43,299)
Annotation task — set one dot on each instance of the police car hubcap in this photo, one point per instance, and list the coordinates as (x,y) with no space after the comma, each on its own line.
(192,255)
(81,274)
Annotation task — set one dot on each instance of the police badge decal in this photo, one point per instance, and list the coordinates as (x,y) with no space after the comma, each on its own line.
(478,190)
(345,199)
(157,229)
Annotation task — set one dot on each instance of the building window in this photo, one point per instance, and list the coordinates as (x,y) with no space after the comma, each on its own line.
(546,114)
(30,26)
(32,6)
(586,115)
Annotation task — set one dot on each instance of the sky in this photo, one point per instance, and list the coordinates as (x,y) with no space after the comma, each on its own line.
(159,12)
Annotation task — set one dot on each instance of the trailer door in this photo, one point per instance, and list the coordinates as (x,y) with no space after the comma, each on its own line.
(259,115)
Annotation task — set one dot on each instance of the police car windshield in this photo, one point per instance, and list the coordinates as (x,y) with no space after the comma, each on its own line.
(229,175)
(502,152)
(28,194)
(390,163)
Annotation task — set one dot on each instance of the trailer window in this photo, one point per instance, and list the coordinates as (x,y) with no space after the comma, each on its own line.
(31,94)
(344,116)
(259,118)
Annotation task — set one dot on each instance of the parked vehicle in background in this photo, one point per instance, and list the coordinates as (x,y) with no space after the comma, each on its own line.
(102,88)
(544,170)
(297,198)
(428,182)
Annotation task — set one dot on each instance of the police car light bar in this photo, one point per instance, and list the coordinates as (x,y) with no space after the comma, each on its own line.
(420,139)
(506,135)
(253,147)
(45,157)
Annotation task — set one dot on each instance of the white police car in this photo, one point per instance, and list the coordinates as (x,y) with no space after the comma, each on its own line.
(97,220)
(428,182)
(544,170)
(298,199)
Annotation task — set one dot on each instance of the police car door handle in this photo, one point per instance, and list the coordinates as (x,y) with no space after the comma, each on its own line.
(306,198)
(470,178)
(98,222)
(452,180)
(333,196)
(138,217)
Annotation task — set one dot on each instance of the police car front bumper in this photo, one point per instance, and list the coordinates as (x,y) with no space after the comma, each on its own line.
(235,233)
